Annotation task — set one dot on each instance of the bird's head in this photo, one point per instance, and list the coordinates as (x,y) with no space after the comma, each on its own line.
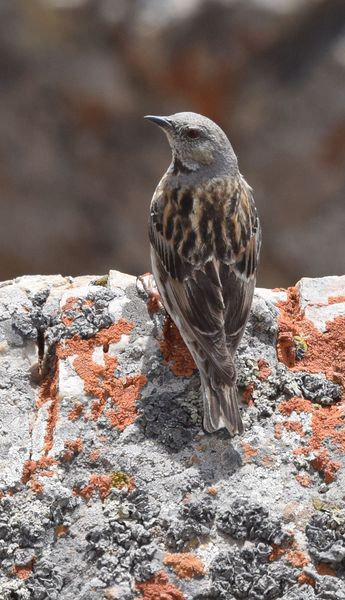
(197,143)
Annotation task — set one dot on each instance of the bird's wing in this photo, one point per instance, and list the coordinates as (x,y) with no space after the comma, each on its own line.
(238,279)
(204,259)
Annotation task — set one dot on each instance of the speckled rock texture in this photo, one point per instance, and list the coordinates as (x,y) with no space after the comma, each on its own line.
(110,489)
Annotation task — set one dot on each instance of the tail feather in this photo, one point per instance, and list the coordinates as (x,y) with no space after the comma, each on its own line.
(222,371)
(221,409)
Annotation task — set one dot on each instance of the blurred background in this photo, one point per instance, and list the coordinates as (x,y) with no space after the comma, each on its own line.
(78,164)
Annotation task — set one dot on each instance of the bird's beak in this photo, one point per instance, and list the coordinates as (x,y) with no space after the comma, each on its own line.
(162,122)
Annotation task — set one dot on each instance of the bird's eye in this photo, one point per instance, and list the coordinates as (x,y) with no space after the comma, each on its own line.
(193,134)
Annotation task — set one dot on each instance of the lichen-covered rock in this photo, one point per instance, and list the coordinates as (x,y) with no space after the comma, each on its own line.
(244,520)
(247,573)
(109,488)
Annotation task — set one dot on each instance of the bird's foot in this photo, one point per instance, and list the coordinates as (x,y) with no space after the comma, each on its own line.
(146,283)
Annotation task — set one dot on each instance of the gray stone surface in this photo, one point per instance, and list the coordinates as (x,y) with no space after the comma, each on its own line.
(106,474)
(315,298)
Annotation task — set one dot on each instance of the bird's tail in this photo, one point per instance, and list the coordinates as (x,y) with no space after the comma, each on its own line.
(221,408)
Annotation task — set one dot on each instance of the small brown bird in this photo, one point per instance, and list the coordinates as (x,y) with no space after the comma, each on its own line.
(205,240)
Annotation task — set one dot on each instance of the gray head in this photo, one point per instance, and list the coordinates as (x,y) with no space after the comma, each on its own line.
(197,144)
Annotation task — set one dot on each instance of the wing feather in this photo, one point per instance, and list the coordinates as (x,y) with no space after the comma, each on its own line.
(209,298)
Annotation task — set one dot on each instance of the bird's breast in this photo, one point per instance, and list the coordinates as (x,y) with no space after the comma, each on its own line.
(202,221)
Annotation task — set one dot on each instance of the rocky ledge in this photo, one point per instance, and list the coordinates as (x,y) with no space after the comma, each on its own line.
(109,488)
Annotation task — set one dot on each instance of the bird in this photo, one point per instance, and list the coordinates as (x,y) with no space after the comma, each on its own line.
(205,239)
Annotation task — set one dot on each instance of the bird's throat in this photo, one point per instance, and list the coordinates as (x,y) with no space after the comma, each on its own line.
(179,168)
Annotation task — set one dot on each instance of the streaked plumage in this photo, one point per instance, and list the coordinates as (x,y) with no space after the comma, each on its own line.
(205,241)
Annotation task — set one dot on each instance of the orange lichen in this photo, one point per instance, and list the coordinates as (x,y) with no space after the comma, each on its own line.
(212,490)
(277,552)
(267,461)
(278,429)
(304,480)
(288,322)
(325,569)
(47,473)
(175,351)
(295,404)
(97,483)
(76,411)
(326,351)
(286,348)
(294,555)
(294,426)
(94,455)
(61,531)
(101,384)
(125,392)
(303,579)
(248,394)
(326,466)
(248,451)
(34,468)
(72,303)
(23,571)
(72,448)
(99,380)
(74,445)
(297,558)
(336,299)
(159,588)
(327,424)
(185,565)
(264,369)
(154,304)
(325,354)
(36,486)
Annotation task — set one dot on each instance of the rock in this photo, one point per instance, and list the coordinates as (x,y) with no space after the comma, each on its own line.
(108,482)
(322,299)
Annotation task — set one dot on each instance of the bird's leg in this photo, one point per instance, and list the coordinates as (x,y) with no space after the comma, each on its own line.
(149,287)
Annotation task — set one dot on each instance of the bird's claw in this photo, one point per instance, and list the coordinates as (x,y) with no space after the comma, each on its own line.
(148,286)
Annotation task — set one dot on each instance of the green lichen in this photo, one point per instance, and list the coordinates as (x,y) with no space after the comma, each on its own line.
(325,506)
(103,281)
(120,479)
(301,347)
